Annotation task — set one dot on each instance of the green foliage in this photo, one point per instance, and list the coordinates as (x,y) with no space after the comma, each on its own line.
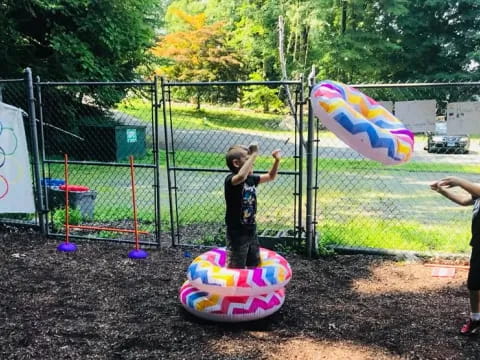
(77,40)
(217,239)
(58,218)
(352,41)
(199,53)
(262,97)
(70,40)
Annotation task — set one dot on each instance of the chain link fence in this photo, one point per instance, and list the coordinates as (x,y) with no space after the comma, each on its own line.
(199,134)
(363,204)
(99,126)
(178,134)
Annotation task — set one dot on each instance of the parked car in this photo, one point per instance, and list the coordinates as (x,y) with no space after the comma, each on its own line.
(439,141)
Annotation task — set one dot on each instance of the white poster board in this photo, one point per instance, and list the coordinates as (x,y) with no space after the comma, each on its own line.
(463,118)
(16,190)
(387,105)
(417,116)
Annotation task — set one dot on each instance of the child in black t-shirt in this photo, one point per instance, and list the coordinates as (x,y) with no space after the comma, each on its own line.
(471,196)
(241,201)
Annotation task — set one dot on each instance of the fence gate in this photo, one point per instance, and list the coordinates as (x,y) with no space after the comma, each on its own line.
(197,138)
(99,125)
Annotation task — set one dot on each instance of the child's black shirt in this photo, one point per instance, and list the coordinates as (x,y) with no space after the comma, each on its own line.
(241,202)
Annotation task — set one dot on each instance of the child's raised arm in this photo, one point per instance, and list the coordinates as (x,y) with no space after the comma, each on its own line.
(247,167)
(272,174)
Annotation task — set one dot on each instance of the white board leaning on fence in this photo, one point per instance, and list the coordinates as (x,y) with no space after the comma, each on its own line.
(417,116)
(463,118)
(16,192)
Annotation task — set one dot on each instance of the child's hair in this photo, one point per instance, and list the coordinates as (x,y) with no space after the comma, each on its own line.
(234,152)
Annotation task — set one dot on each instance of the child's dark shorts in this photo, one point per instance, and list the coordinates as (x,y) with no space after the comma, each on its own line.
(243,248)
(473,281)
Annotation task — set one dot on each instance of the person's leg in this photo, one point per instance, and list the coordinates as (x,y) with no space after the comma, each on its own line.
(475,301)
(472,326)
(237,249)
(473,281)
(253,256)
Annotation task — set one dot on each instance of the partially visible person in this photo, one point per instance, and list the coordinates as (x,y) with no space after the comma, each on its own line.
(470,196)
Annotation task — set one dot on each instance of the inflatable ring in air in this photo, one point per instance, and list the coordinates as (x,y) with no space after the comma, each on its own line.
(229,308)
(208,273)
(362,123)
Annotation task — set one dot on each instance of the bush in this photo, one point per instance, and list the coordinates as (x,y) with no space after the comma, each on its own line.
(74,218)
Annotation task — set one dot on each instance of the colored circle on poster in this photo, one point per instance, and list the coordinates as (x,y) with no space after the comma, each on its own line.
(2,157)
(3,187)
(3,140)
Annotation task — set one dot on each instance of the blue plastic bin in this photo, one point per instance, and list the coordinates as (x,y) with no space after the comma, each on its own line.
(52,182)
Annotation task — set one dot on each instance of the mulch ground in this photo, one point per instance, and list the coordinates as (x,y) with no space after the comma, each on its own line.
(98,304)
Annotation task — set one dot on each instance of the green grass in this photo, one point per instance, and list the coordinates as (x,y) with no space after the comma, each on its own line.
(347,165)
(449,237)
(207,118)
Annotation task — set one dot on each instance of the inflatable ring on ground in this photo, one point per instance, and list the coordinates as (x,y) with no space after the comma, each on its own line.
(229,308)
(208,273)
(362,123)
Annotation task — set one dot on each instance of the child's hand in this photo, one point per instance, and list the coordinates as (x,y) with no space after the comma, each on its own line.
(253,148)
(434,186)
(451,181)
(277,154)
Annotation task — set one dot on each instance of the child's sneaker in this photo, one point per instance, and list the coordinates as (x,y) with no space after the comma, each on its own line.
(471,327)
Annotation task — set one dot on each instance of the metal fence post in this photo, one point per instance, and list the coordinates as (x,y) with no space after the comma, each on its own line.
(167,160)
(36,155)
(156,104)
(309,158)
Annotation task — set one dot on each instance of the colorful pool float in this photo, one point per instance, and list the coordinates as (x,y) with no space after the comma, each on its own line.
(217,293)
(362,123)
(229,308)
(208,273)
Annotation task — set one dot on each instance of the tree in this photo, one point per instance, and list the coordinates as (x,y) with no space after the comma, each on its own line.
(76,39)
(439,41)
(199,53)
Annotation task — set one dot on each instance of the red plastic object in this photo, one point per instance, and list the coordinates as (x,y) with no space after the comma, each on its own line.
(78,188)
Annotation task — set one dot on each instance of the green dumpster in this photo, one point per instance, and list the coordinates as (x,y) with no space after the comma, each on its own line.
(112,142)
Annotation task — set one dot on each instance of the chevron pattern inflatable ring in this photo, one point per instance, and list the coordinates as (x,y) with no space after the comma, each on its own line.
(362,123)
(208,273)
(229,308)
(217,293)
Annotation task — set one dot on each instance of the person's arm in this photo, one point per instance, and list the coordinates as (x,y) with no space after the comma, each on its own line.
(460,199)
(247,167)
(470,187)
(272,174)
